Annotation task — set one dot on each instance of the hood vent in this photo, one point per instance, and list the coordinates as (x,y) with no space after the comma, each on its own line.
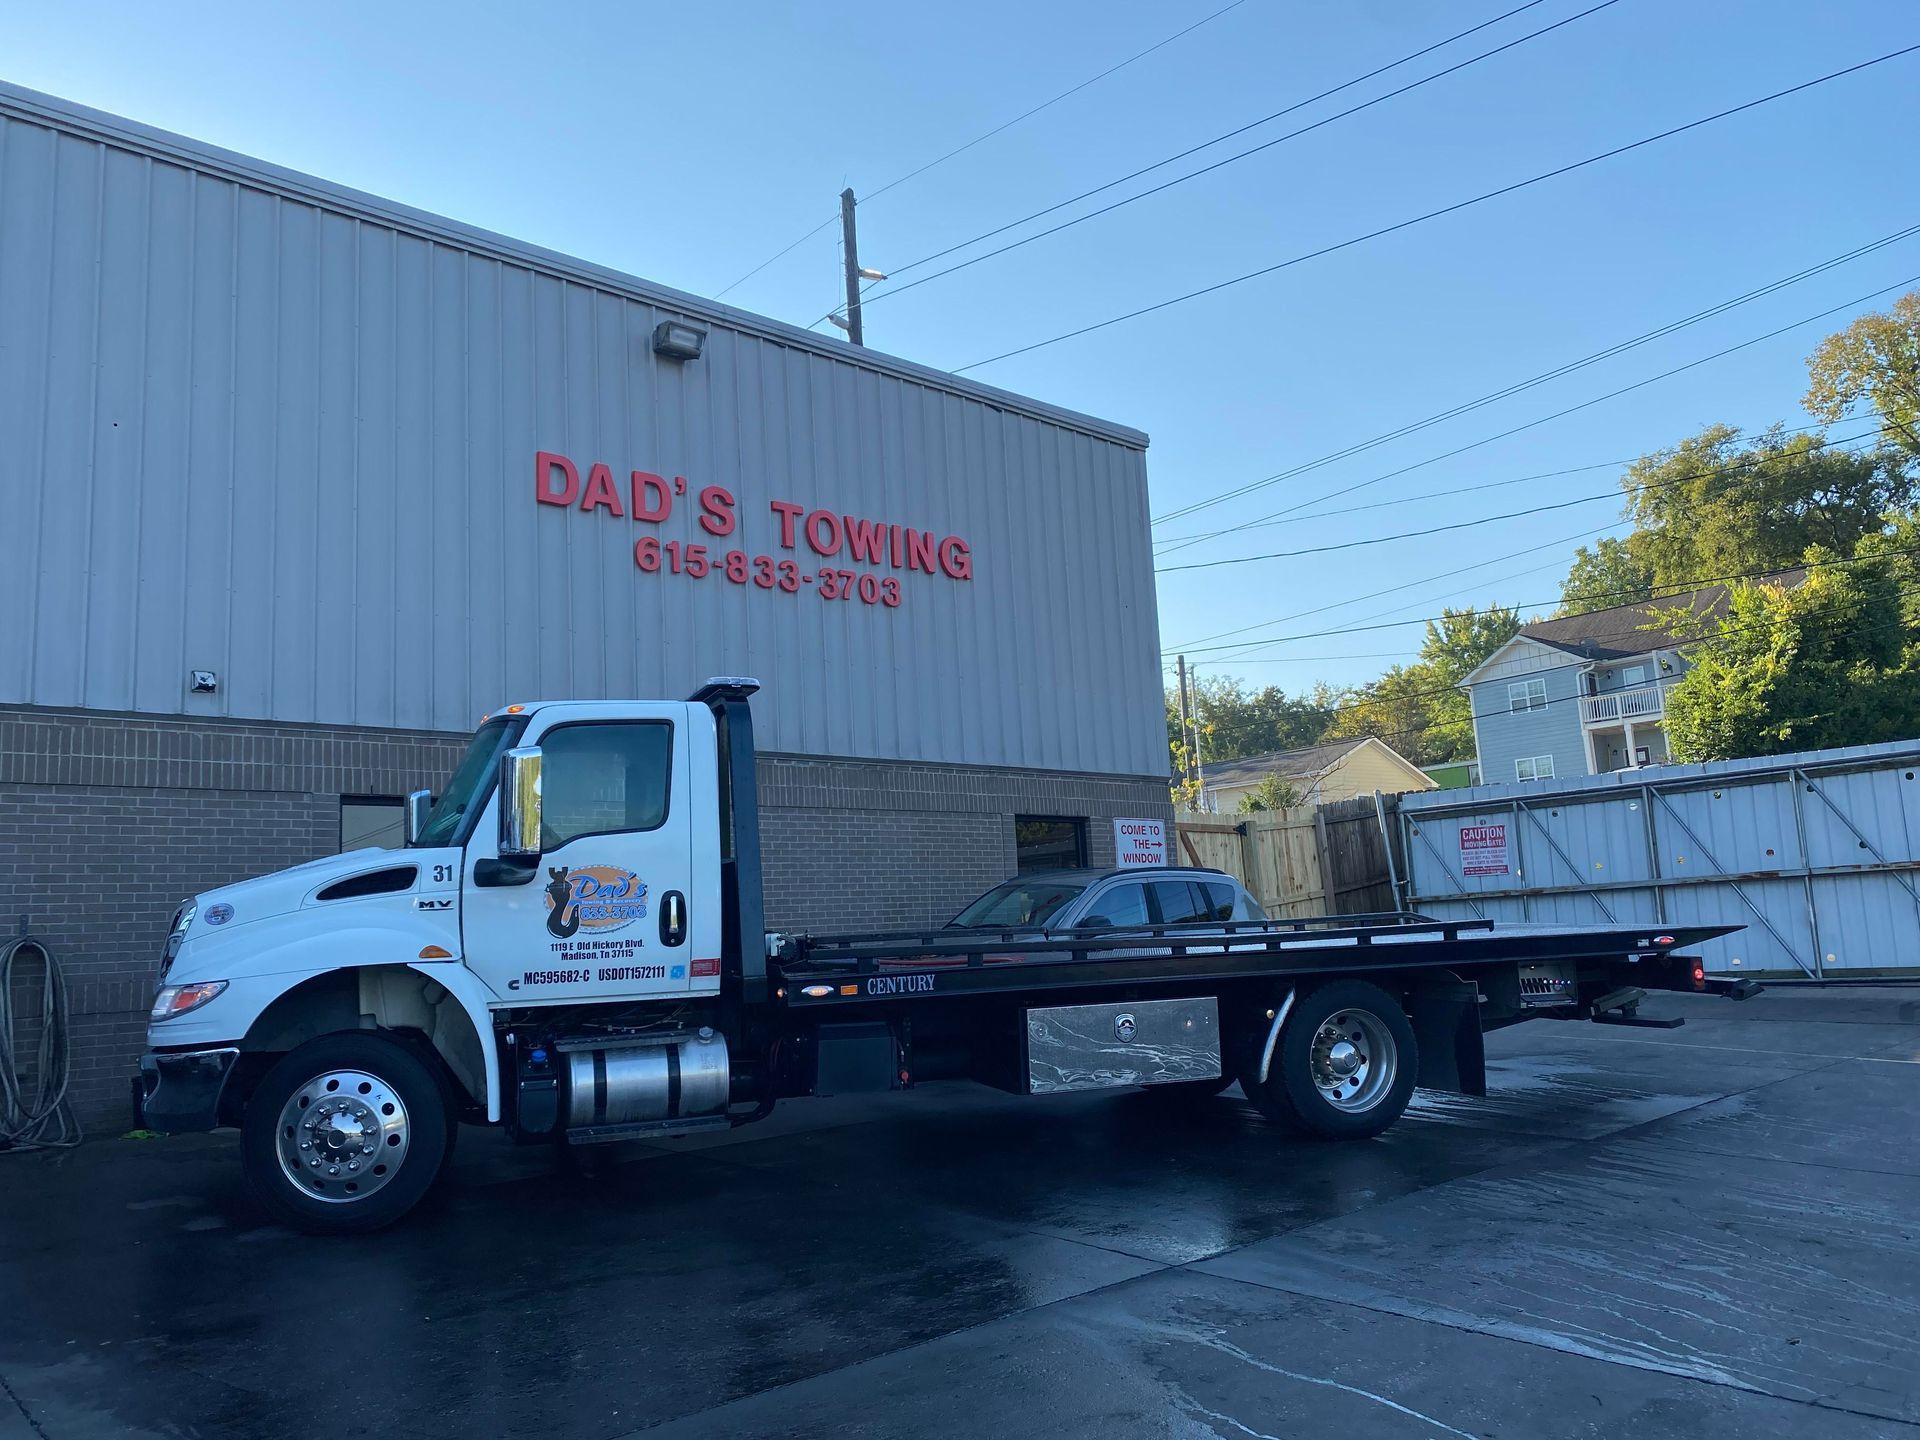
(391,881)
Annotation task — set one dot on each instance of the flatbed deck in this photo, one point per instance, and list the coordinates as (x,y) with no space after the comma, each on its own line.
(852,969)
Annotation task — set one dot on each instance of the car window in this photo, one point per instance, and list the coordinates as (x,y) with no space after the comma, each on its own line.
(1120,905)
(600,778)
(1247,908)
(1180,901)
(1018,902)
(1220,900)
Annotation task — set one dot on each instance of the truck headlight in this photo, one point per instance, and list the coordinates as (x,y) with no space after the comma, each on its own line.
(179,999)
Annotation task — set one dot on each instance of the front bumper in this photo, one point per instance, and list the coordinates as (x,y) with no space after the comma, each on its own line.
(180,1089)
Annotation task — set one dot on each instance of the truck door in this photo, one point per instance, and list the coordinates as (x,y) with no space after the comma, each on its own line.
(605,915)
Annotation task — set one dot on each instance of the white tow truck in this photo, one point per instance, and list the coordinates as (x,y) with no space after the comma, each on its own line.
(571,945)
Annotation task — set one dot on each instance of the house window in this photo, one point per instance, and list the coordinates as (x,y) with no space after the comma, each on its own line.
(1634,675)
(1533,767)
(1049,842)
(371,820)
(1527,694)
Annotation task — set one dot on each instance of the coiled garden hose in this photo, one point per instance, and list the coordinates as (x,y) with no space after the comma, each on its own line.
(34,1113)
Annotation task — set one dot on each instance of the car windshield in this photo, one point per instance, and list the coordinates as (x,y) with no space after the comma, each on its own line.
(1018,902)
(469,783)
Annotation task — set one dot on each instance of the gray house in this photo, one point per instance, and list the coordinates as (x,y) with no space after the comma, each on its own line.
(1587,694)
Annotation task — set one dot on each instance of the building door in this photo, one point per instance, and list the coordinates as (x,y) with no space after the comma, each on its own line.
(607,914)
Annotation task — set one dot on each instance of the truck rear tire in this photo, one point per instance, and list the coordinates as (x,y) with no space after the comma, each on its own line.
(345,1134)
(1344,1066)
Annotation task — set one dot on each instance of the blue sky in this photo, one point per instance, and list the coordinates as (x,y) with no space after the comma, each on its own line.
(689,143)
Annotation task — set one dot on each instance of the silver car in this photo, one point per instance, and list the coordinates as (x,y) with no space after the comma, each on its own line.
(1054,902)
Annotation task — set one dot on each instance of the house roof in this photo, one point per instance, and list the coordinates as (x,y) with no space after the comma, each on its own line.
(1307,763)
(1622,631)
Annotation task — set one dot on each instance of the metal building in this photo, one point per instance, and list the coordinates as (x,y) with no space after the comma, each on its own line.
(299,482)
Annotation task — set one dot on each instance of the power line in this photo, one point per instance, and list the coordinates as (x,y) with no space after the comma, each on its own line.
(1393,589)
(1712,473)
(1452,490)
(1517,387)
(988,135)
(1443,210)
(1678,587)
(1064,94)
(893,290)
(1506,515)
(1538,421)
(1252,657)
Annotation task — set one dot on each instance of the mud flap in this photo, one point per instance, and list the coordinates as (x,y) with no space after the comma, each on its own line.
(1446,1024)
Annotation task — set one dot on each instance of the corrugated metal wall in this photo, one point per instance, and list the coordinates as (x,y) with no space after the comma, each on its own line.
(1816,853)
(268,429)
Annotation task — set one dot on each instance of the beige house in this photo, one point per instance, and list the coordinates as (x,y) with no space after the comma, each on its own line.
(1337,770)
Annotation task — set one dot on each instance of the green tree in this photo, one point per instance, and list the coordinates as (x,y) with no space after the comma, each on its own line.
(1873,363)
(1235,720)
(1274,792)
(1716,506)
(1462,638)
(1608,574)
(1417,708)
(1831,661)
(1232,720)
(1720,504)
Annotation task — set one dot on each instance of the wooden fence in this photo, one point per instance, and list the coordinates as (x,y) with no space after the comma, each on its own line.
(1307,860)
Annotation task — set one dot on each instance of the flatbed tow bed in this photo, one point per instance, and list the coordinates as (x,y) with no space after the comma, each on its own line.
(953,964)
(582,977)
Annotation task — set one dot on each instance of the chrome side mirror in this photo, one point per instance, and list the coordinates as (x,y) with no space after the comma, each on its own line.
(520,802)
(418,806)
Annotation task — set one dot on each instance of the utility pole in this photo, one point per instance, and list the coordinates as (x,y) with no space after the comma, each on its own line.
(850,253)
(1186,719)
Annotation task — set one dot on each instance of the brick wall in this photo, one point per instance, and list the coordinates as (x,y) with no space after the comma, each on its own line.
(108,821)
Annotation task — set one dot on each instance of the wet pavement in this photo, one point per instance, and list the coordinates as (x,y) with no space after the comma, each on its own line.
(1707,1232)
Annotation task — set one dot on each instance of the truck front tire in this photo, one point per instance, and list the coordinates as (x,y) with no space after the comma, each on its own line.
(1344,1066)
(345,1134)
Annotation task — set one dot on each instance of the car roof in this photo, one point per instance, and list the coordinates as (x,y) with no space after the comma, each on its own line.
(1068,874)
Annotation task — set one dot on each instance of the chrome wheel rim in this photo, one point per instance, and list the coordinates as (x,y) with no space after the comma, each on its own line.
(342,1136)
(1354,1060)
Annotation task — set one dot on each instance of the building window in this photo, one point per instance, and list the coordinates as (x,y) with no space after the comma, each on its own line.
(1049,842)
(1533,767)
(1634,675)
(372,820)
(1527,694)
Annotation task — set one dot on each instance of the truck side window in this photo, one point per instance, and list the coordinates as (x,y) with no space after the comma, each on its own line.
(599,779)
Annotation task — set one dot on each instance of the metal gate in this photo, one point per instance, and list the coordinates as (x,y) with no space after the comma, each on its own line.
(1816,853)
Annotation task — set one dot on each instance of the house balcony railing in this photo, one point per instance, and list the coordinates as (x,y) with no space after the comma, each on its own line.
(1635,702)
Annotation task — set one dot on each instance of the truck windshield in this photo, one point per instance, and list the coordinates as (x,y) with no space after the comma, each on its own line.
(1018,902)
(471,776)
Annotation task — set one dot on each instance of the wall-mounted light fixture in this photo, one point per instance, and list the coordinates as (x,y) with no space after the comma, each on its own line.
(204,682)
(677,340)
